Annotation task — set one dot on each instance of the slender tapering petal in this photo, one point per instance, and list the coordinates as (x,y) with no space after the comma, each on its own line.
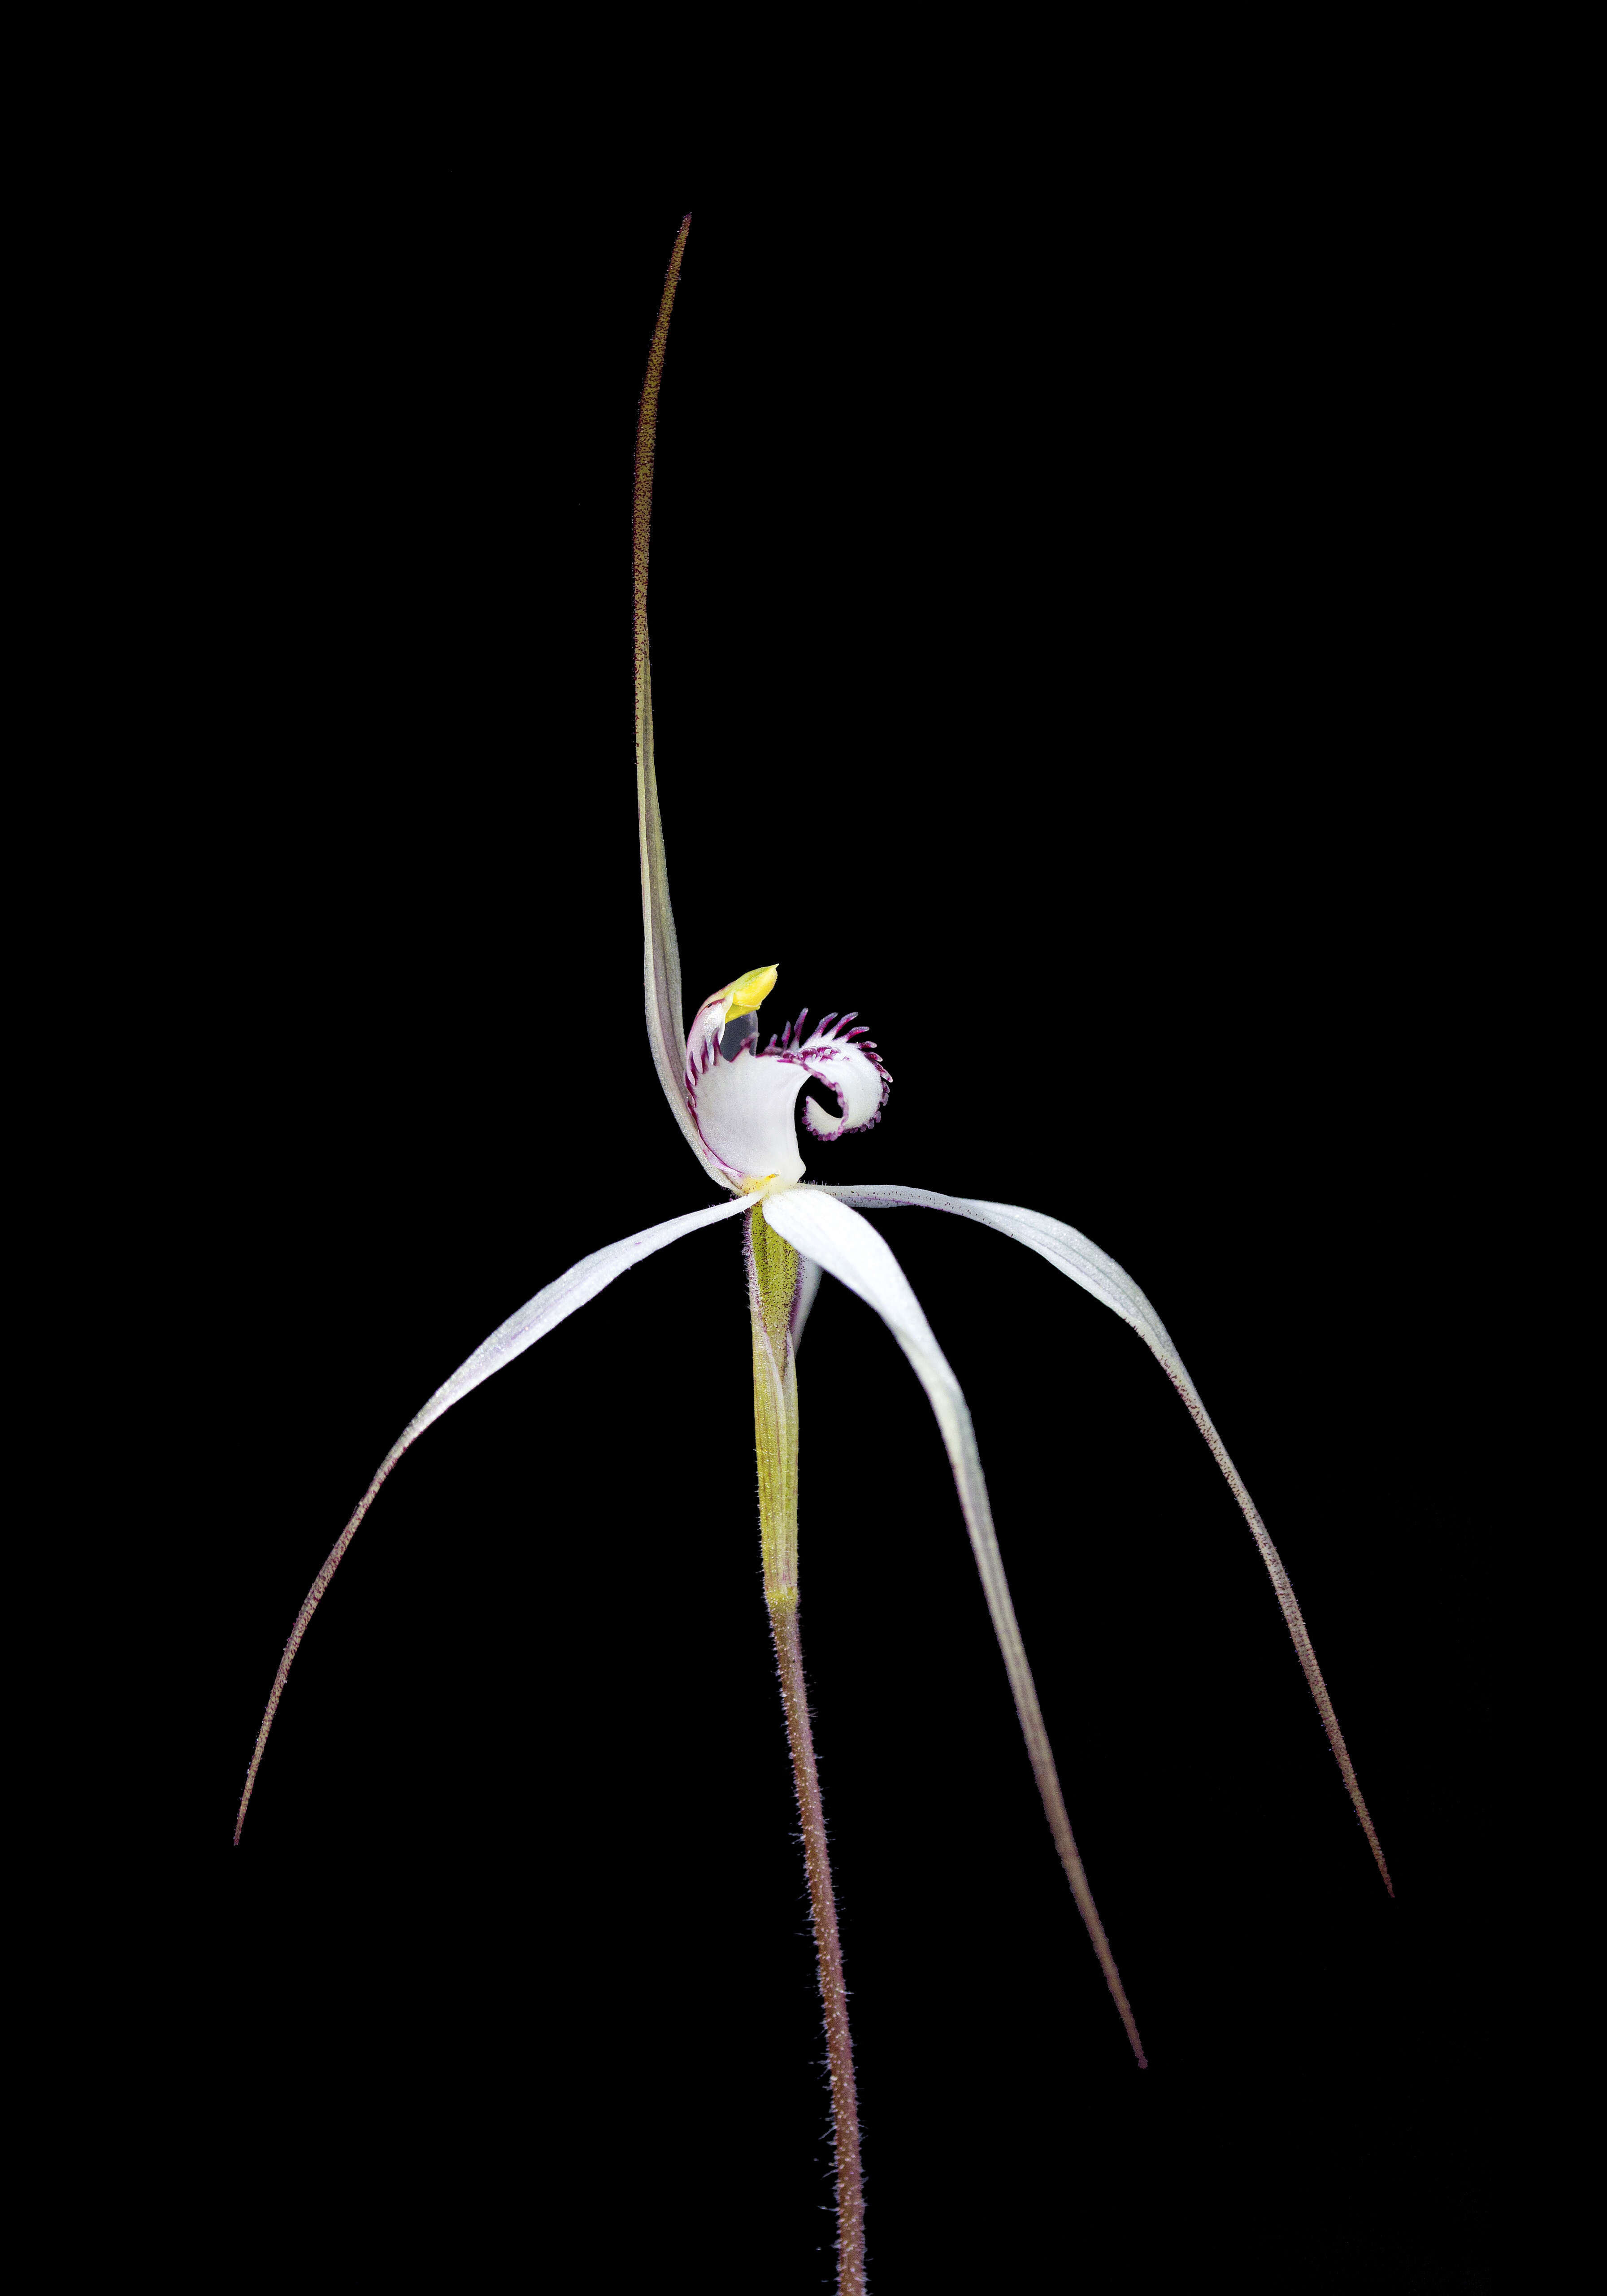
(529,1323)
(814,1222)
(1085,1263)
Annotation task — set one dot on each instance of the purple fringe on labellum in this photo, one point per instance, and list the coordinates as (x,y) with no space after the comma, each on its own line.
(822,1039)
(793,1029)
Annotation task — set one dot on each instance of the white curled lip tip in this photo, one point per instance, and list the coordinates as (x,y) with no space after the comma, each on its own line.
(743,1101)
(846,1062)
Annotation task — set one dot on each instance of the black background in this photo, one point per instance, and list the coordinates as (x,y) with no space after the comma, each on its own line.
(1054,593)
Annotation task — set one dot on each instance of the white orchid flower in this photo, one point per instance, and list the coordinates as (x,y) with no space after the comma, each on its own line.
(738,1105)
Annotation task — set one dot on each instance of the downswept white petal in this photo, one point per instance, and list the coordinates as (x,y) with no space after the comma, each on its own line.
(524,1328)
(551,1305)
(1085,1263)
(849,1248)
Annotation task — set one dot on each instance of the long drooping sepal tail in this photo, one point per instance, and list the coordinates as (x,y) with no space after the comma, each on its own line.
(814,1223)
(1097,1273)
(529,1323)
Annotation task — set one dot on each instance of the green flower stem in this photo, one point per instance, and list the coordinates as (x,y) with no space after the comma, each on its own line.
(772,1289)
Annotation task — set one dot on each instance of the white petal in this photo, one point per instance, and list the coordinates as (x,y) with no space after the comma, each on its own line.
(1072,1253)
(557,1300)
(524,1328)
(1085,1263)
(816,1223)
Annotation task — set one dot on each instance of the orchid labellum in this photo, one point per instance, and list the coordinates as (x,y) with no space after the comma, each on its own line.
(739,1102)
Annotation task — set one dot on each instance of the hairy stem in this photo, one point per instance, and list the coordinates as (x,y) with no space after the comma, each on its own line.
(828,1946)
(773,1278)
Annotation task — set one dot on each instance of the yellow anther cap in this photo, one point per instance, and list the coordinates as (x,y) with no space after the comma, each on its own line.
(747,994)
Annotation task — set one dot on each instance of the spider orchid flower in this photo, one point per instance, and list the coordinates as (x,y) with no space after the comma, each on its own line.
(738,1107)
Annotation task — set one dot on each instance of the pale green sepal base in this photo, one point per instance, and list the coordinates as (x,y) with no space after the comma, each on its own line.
(773,1273)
